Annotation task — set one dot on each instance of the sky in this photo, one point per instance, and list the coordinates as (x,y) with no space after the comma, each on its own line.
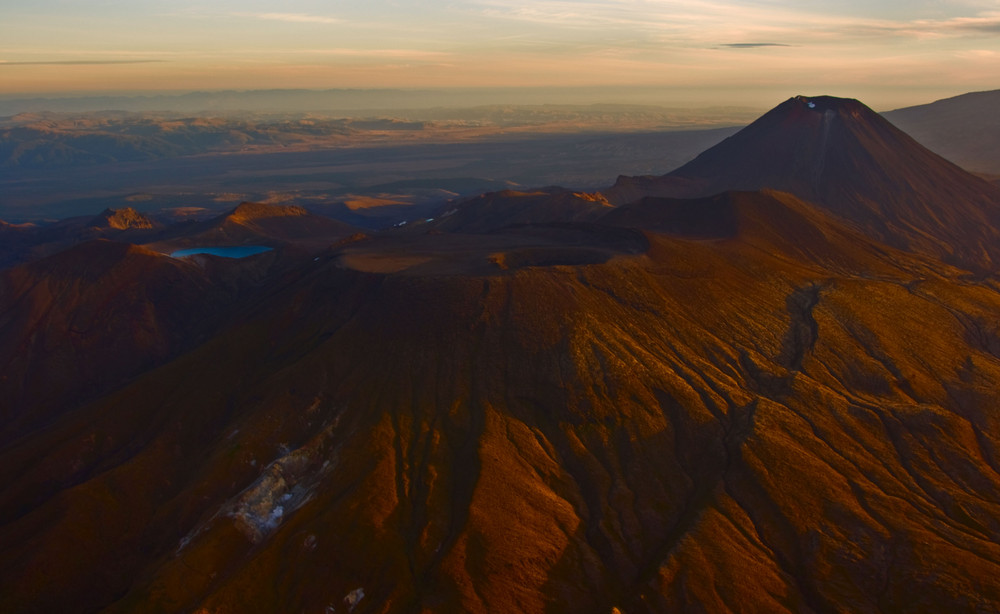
(887,52)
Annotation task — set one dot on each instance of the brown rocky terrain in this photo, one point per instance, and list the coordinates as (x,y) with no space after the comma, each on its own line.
(258,224)
(496,210)
(741,402)
(26,242)
(123,219)
(84,321)
(247,224)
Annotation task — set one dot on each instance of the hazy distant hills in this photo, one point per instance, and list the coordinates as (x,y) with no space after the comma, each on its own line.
(31,141)
(372,177)
(774,392)
(345,102)
(374,167)
(53,140)
(965,129)
(228,101)
(59,132)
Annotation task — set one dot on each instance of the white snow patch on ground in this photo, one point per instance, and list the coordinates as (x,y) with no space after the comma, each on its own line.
(353,598)
(283,487)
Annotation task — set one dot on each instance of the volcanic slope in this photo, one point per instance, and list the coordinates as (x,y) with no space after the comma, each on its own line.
(729,421)
(496,210)
(844,157)
(757,407)
(28,242)
(259,223)
(80,323)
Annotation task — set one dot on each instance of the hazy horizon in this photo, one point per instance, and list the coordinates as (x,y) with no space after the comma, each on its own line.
(889,53)
(374,100)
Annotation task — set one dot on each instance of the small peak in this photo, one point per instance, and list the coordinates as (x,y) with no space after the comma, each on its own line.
(246,211)
(122,219)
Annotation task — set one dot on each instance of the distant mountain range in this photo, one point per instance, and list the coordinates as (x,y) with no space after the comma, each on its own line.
(344,101)
(766,381)
(965,129)
(52,141)
(233,100)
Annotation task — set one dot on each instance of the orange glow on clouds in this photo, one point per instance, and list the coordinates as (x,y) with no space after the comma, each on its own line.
(795,46)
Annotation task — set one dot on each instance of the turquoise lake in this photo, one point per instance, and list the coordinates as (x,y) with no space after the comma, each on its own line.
(239,251)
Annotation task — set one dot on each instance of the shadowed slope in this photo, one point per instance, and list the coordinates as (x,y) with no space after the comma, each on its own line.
(507,250)
(496,210)
(77,324)
(263,224)
(775,223)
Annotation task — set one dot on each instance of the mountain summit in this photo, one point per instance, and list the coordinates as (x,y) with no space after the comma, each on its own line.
(839,154)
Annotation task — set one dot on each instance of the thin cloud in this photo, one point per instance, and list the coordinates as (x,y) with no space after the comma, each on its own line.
(348,52)
(693,21)
(414,54)
(924,28)
(978,54)
(296,18)
(986,26)
(75,62)
(752,45)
